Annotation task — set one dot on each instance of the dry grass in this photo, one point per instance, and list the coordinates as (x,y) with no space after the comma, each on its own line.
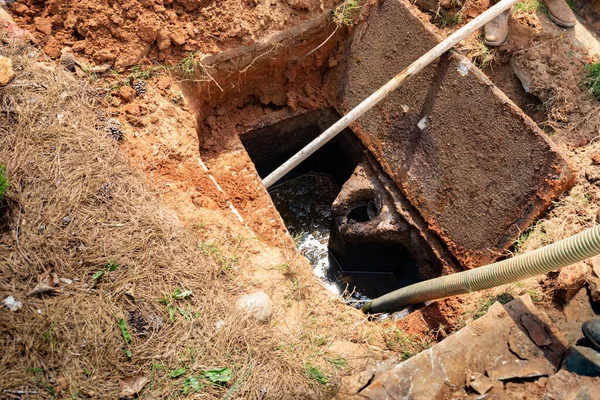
(73,206)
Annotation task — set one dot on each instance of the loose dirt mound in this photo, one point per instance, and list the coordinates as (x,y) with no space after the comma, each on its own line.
(123,33)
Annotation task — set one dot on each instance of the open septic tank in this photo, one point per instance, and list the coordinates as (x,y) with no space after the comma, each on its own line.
(441,176)
(363,268)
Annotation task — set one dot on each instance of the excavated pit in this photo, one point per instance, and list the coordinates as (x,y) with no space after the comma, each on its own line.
(361,268)
(440,177)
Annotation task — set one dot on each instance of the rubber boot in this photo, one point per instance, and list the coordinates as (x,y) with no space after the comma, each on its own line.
(495,32)
(591,331)
(560,13)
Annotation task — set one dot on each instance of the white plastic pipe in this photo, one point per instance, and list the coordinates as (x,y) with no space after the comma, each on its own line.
(389,87)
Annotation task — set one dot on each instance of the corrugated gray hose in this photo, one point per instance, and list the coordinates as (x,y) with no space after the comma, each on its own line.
(565,252)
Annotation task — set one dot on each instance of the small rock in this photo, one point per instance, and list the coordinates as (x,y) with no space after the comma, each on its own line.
(258,304)
(67,60)
(6,71)
(104,55)
(132,109)
(596,159)
(178,37)
(43,25)
(66,220)
(127,93)
(521,369)
(164,82)
(479,382)
(12,304)
(582,361)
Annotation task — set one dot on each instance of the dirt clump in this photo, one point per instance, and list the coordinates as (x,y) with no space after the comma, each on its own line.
(123,33)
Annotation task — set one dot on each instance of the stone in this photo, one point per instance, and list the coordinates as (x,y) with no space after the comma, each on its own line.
(6,71)
(479,382)
(257,304)
(565,385)
(536,331)
(521,369)
(126,93)
(582,361)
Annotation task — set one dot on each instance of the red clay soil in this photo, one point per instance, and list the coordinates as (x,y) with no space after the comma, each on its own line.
(122,33)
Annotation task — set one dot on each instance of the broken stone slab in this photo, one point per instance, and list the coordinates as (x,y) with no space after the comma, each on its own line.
(521,369)
(479,383)
(565,385)
(481,346)
(582,361)
(476,168)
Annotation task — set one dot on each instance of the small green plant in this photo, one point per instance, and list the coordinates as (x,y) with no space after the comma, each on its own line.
(591,79)
(444,19)
(337,362)
(3,181)
(315,373)
(126,337)
(191,384)
(42,380)
(110,267)
(218,376)
(172,307)
(527,6)
(518,244)
(176,373)
(502,298)
(344,13)
(188,64)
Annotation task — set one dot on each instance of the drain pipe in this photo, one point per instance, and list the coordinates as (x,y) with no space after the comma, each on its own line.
(565,252)
(388,88)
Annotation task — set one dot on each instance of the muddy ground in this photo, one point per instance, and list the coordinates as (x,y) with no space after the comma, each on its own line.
(181,144)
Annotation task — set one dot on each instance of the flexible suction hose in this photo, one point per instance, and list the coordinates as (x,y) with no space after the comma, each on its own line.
(560,254)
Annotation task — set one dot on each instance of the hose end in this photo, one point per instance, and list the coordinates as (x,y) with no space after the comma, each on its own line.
(366,308)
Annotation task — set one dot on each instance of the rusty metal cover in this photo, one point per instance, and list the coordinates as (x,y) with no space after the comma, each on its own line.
(475,166)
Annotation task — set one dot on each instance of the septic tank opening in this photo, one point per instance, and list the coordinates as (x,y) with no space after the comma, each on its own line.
(304,197)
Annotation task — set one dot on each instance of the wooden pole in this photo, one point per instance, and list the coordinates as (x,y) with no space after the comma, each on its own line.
(389,87)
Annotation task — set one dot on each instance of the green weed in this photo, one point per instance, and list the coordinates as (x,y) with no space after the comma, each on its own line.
(110,267)
(188,65)
(315,373)
(444,19)
(40,377)
(486,304)
(337,362)
(176,373)
(591,79)
(126,337)
(527,6)
(344,13)
(218,376)
(3,181)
